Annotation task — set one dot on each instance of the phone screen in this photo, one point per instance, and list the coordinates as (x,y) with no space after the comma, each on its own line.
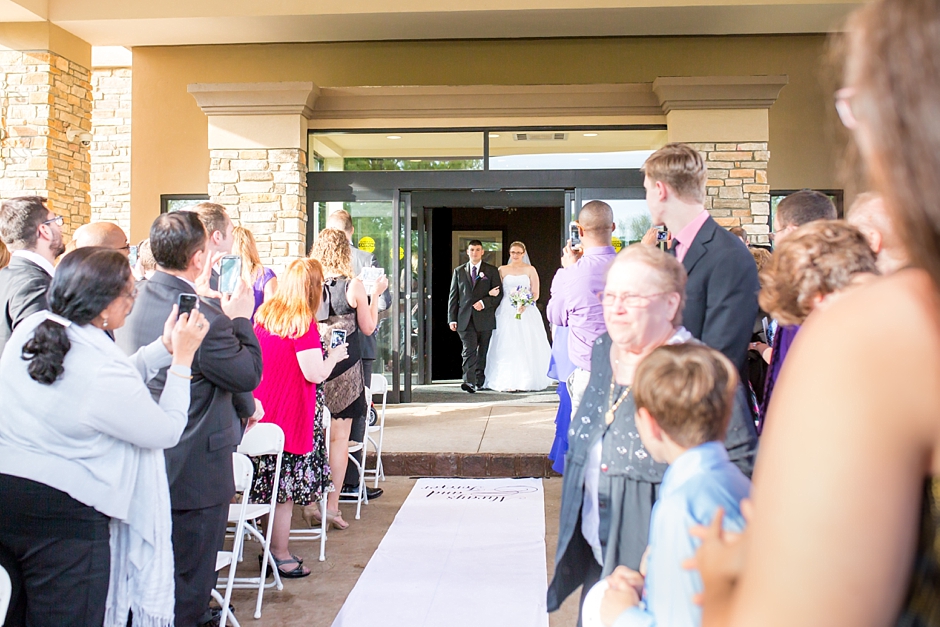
(662,235)
(229,272)
(132,256)
(187,302)
(574,235)
(337,337)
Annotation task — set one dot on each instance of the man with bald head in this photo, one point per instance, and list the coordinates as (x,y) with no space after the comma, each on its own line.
(103,234)
(574,303)
(870,216)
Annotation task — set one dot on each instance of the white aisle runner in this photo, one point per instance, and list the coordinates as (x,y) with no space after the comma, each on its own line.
(460,553)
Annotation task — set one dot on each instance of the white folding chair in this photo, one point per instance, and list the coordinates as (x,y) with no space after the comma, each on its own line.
(6,591)
(244,473)
(318,533)
(378,386)
(262,439)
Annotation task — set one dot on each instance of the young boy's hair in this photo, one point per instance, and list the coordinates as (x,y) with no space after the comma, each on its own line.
(689,389)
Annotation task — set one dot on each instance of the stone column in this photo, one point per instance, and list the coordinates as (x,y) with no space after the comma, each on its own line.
(110,152)
(258,160)
(726,119)
(45,102)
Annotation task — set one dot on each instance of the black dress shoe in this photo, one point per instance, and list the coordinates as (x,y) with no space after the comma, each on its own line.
(468,387)
(348,495)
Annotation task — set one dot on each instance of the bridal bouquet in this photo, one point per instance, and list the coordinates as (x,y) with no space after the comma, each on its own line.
(521,297)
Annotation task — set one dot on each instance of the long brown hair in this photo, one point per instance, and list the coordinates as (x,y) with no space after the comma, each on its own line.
(332,249)
(891,63)
(244,246)
(289,313)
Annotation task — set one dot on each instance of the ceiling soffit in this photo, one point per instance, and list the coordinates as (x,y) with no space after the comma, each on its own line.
(717,92)
(280,98)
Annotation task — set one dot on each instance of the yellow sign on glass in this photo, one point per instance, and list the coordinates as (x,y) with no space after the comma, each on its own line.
(616,242)
(367,244)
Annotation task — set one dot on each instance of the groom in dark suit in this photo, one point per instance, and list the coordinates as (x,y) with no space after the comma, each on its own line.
(471,312)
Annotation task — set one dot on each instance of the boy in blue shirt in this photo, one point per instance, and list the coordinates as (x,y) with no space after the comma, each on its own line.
(684,395)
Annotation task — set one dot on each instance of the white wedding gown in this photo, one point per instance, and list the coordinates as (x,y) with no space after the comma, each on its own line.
(518,356)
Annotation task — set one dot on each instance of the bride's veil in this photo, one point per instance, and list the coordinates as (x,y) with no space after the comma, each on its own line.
(525,258)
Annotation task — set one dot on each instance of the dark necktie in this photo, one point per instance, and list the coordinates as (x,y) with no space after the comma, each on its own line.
(473,275)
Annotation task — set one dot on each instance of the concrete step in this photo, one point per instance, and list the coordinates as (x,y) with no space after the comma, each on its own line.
(469,465)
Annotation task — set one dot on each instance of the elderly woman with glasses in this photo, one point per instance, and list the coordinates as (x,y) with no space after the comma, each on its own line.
(611,482)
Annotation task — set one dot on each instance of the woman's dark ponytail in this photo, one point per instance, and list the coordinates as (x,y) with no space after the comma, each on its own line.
(85,283)
(45,352)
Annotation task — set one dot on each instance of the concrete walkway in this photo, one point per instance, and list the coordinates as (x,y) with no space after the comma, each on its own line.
(485,422)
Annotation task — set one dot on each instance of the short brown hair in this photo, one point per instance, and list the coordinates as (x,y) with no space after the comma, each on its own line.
(331,249)
(803,207)
(20,219)
(671,272)
(762,257)
(817,259)
(689,389)
(681,167)
(341,220)
(4,255)
(213,217)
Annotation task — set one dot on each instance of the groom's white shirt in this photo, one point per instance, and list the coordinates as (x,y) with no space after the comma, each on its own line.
(470,267)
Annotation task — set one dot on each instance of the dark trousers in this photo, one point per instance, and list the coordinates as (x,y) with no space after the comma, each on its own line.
(475,344)
(57,552)
(357,430)
(198,535)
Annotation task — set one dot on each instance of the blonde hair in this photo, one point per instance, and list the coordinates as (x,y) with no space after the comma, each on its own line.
(689,389)
(762,257)
(818,258)
(289,313)
(517,245)
(332,249)
(681,167)
(244,246)
(4,256)
(672,276)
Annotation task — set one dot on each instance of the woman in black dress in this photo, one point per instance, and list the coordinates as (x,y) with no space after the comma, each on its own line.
(346,307)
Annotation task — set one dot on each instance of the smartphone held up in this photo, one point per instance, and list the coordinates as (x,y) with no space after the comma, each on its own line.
(230,270)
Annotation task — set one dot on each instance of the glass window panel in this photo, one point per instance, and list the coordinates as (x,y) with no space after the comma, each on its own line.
(398,151)
(632,218)
(565,149)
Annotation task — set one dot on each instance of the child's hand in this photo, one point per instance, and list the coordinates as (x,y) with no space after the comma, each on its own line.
(623,578)
(615,602)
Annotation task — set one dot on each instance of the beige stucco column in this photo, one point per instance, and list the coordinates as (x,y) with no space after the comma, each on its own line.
(258,167)
(727,119)
(46,104)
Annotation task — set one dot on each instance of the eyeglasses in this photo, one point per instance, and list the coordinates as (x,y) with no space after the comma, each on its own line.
(844,107)
(132,294)
(58,220)
(609,299)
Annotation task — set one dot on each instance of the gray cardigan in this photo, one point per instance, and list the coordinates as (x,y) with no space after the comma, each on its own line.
(81,434)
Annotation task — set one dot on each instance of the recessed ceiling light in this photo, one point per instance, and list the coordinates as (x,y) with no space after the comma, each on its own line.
(590,134)
(494,134)
(415,160)
(393,137)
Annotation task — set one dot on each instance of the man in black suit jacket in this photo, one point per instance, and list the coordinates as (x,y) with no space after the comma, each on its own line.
(474,295)
(228,362)
(721,293)
(33,234)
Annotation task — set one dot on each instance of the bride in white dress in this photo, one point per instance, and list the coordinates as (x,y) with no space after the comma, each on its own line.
(518,356)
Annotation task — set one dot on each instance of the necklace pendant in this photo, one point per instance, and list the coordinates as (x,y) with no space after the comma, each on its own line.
(609,416)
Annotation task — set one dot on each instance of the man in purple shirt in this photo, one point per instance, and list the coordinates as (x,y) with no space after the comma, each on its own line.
(574,303)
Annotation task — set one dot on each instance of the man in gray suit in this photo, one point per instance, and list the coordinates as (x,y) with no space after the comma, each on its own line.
(342,221)
(33,234)
(228,362)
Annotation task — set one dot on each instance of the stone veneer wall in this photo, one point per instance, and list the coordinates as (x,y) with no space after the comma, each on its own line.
(738,192)
(264,191)
(42,95)
(110,196)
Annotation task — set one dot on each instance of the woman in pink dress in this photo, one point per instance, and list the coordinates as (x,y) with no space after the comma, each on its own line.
(294,364)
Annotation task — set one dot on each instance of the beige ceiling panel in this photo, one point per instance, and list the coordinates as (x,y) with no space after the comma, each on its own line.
(731,17)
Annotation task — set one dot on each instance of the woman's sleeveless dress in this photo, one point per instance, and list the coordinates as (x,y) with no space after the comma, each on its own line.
(519,353)
(344,389)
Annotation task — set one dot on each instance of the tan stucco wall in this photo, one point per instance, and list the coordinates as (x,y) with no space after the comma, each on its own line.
(170,132)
